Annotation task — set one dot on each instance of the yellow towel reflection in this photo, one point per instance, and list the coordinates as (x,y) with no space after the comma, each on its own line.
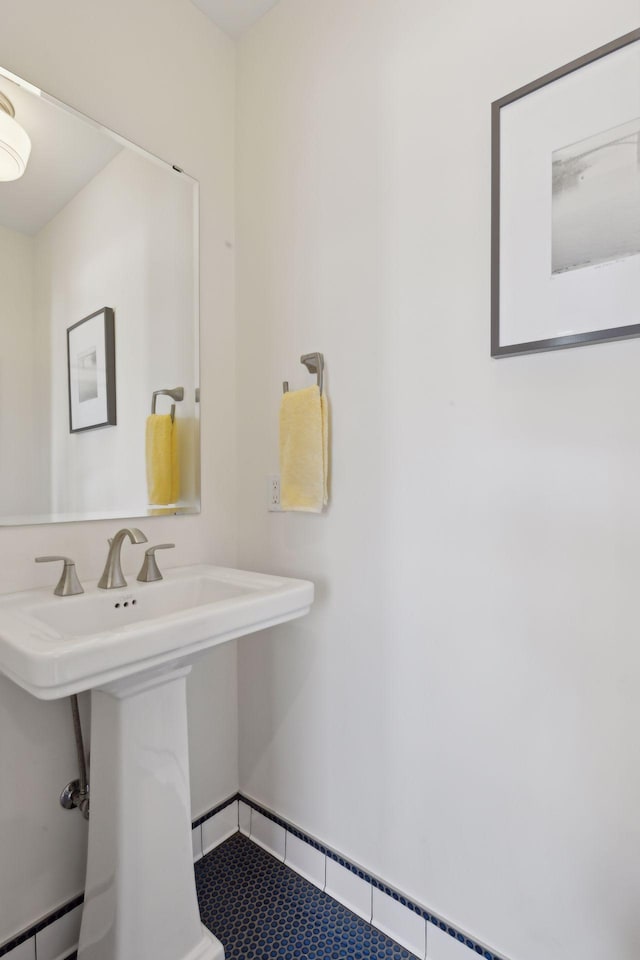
(163,468)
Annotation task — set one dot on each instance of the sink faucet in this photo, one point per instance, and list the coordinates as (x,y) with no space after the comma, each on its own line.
(112,575)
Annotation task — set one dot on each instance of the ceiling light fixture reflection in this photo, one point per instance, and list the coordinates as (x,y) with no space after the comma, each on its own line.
(15,145)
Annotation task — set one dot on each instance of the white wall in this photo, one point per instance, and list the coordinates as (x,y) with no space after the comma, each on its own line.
(125,241)
(460,711)
(130,66)
(23,487)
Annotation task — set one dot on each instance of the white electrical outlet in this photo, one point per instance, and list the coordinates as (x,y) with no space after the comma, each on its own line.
(273,493)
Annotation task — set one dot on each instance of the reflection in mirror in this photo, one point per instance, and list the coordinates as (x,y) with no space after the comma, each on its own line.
(99,312)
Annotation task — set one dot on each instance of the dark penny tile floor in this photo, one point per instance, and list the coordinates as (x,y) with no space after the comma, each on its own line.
(261,910)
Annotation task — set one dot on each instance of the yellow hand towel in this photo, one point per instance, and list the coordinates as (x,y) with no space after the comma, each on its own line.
(304,450)
(163,469)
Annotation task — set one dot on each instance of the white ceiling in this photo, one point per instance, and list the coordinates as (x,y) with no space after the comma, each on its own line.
(66,153)
(235,16)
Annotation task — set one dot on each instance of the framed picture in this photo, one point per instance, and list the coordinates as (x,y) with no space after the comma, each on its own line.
(566,205)
(91,361)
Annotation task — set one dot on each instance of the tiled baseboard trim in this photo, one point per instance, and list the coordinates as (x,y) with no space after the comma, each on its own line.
(374,882)
(38,927)
(211,813)
(481,950)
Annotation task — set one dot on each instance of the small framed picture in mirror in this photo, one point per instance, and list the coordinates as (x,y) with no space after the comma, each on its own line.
(91,362)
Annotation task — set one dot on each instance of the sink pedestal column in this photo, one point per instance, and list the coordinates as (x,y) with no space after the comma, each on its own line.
(140,897)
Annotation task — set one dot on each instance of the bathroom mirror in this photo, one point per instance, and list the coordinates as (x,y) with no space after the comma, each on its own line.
(99,312)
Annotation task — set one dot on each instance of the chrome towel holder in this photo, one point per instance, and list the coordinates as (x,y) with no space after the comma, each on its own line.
(314,362)
(177,393)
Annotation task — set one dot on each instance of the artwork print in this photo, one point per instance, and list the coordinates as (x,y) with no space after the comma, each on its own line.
(596,199)
(91,371)
(566,205)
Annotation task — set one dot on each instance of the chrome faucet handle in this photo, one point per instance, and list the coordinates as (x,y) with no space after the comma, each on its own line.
(150,570)
(112,576)
(68,585)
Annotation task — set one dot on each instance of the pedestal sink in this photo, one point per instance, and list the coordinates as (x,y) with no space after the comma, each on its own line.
(133,648)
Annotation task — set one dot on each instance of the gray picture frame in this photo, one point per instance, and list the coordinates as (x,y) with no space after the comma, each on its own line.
(499,348)
(107,416)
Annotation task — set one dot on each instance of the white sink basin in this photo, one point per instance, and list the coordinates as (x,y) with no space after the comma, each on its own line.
(56,646)
(133,648)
